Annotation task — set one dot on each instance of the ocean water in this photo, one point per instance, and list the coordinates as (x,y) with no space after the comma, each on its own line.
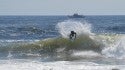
(42,43)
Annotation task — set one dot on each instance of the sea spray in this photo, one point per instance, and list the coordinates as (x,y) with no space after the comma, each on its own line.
(66,27)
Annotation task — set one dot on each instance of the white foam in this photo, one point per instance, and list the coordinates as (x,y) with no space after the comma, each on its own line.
(66,27)
(116,49)
(86,54)
(57,65)
(9,55)
(21,40)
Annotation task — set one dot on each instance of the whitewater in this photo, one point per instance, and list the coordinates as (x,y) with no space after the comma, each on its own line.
(89,51)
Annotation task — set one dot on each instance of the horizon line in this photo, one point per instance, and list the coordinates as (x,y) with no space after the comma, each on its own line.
(64,15)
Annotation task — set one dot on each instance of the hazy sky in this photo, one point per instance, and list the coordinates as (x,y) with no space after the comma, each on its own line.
(62,7)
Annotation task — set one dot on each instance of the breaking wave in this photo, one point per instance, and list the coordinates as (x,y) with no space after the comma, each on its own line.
(109,45)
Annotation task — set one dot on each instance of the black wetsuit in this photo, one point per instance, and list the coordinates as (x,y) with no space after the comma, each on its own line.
(73,34)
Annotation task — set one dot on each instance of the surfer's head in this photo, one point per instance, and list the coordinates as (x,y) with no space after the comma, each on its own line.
(72,32)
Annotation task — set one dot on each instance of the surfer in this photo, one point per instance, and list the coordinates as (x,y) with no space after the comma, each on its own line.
(73,35)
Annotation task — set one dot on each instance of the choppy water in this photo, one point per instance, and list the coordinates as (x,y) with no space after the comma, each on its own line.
(42,43)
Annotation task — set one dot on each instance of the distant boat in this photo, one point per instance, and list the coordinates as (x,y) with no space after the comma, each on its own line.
(76,16)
